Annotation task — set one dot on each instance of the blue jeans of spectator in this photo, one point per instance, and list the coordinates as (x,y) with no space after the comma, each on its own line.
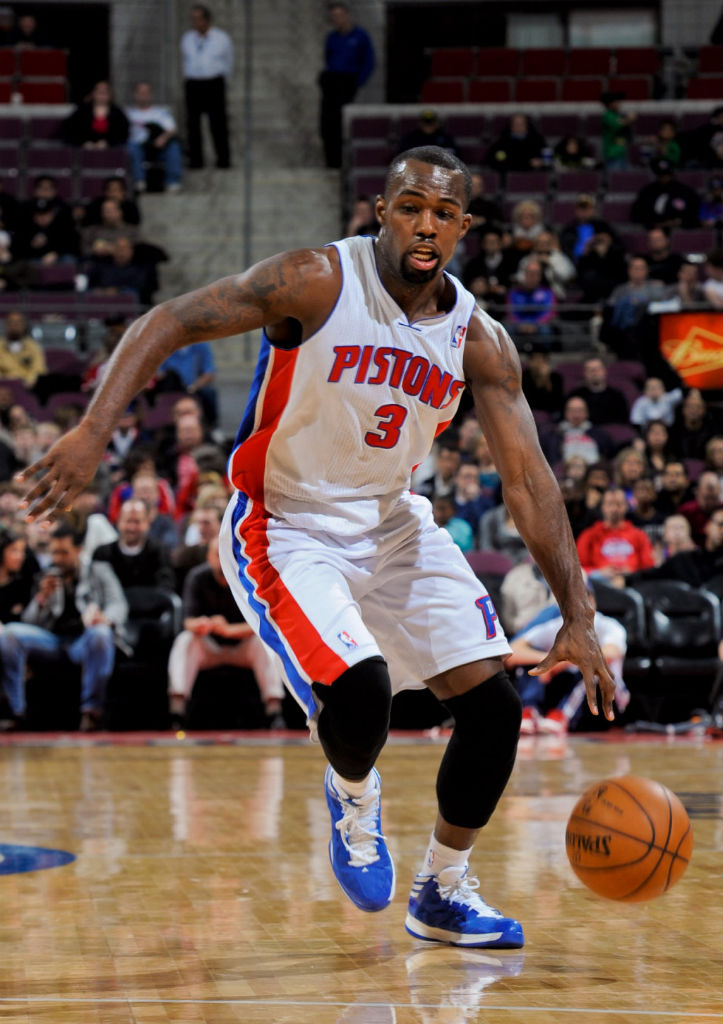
(93,650)
(171,156)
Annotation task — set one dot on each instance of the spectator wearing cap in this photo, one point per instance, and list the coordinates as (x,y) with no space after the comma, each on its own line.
(711,207)
(616,131)
(665,202)
(429,132)
(577,233)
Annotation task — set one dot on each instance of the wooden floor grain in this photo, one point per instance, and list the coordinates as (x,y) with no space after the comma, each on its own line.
(201,892)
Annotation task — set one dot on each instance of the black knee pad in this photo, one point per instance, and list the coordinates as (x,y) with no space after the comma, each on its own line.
(481,751)
(354,718)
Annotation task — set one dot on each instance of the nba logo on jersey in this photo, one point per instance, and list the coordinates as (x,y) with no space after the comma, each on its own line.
(458,336)
(347,640)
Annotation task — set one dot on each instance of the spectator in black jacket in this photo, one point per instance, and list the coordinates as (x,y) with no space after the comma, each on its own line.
(136,560)
(601,268)
(518,147)
(605,404)
(97,123)
(666,202)
(697,566)
(429,132)
(663,264)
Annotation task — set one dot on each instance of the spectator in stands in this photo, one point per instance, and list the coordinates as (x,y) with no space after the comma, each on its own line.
(630,466)
(26,34)
(612,548)
(21,357)
(153,138)
(655,445)
(115,188)
(136,559)
(707,500)
(693,426)
(676,536)
(215,634)
(573,153)
(519,147)
(489,478)
(544,710)
(363,218)
(664,144)
(443,510)
(493,263)
(714,458)
(527,225)
(470,503)
(88,518)
(349,61)
(696,566)
(486,214)
(703,145)
(207,522)
(128,434)
(162,530)
(663,263)
(605,403)
(616,131)
(655,403)
(674,489)
(542,386)
(98,364)
(710,213)
(18,567)
(497,532)
(207,56)
(524,592)
(577,234)
(139,459)
(665,202)
(47,237)
(429,132)
(558,270)
(600,268)
(97,123)
(687,290)
(533,308)
(468,436)
(713,284)
(626,307)
(192,370)
(98,240)
(643,513)
(575,435)
(78,610)
(123,275)
(446,463)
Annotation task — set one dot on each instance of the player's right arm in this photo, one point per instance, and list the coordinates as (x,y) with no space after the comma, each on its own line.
(298,287)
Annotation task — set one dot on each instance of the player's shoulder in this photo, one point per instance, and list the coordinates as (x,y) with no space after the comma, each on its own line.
(489,350)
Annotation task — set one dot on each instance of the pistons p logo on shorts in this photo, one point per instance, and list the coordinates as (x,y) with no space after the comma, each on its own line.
(347,639)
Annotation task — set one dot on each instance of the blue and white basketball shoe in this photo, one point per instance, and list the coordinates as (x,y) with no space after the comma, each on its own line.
(357,850)
(446,908)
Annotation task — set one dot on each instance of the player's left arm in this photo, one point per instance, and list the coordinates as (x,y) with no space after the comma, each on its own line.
(532,496)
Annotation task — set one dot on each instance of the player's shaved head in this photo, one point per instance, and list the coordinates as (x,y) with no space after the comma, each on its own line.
(434,155)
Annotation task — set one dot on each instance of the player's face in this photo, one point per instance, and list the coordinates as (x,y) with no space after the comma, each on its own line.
(422,220)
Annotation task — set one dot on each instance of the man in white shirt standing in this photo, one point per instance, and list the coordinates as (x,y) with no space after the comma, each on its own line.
(207,54)
(153,136)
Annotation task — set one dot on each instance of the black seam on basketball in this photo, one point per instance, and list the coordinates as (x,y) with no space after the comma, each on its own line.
(672,861)
(615,782)
(662,850)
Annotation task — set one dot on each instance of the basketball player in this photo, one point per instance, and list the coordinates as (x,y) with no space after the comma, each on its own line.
(367,346)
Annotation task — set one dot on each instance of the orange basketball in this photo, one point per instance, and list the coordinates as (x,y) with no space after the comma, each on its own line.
(629,838)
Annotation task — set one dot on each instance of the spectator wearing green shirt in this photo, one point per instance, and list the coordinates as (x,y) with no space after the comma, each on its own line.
(615,131)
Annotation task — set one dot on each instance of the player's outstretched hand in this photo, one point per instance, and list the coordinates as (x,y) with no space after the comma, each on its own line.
(56,479)
(576,642)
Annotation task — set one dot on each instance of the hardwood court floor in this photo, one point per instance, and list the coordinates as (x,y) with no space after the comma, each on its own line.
(201,891)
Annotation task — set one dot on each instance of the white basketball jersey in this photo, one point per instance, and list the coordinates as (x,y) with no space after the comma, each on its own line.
(334,427)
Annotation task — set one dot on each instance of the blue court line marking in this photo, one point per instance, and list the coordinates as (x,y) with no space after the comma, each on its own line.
(125,1000)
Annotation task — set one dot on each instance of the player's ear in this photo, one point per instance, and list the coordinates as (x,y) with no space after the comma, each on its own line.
(380,208)
(466,221)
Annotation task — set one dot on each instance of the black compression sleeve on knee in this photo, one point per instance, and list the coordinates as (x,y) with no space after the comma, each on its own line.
(354,719)
(481,751)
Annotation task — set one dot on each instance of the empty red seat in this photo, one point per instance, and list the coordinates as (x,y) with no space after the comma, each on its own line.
(536,90)
(592,60)
(705,87)
(496,61)
(42,92)
(710,60)
(637,60)
(5,92)
(7,63)
(43,63)
(581,90)
(443,90)
(490,90)
(575,181)
(635,87)
(543,61)
(451,63)
(369,127)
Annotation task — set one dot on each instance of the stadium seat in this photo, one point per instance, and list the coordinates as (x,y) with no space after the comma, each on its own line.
(574,182)
(105,161)
(7,62)
(626,183)
(451,63)
(5,91)
(589,61)
(44,130)
(373,155)
(628,607)
(543,61)
(496,61)
(527,183)
(11,132)
(556,126)
(444,90)
(635,87)
(490,90)
(705,87)
(42,92)
(376,128)
(581,90)
(536,90)
(710,60)
(561,212)
(694,240)
(637,60)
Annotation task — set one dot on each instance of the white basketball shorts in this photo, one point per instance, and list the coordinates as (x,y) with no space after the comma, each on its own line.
(323,603)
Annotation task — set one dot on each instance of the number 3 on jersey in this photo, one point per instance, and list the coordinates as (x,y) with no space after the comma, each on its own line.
(391,418)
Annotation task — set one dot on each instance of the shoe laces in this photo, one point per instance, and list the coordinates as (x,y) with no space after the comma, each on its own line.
(358,828)
(462,889)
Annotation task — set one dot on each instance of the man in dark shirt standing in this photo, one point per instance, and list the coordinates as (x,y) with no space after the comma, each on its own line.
(605,404)
(348,63)
(136,560)
(214,634)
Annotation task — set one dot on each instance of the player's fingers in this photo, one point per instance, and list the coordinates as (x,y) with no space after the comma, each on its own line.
(551,658)
(591,692)
(49,504)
